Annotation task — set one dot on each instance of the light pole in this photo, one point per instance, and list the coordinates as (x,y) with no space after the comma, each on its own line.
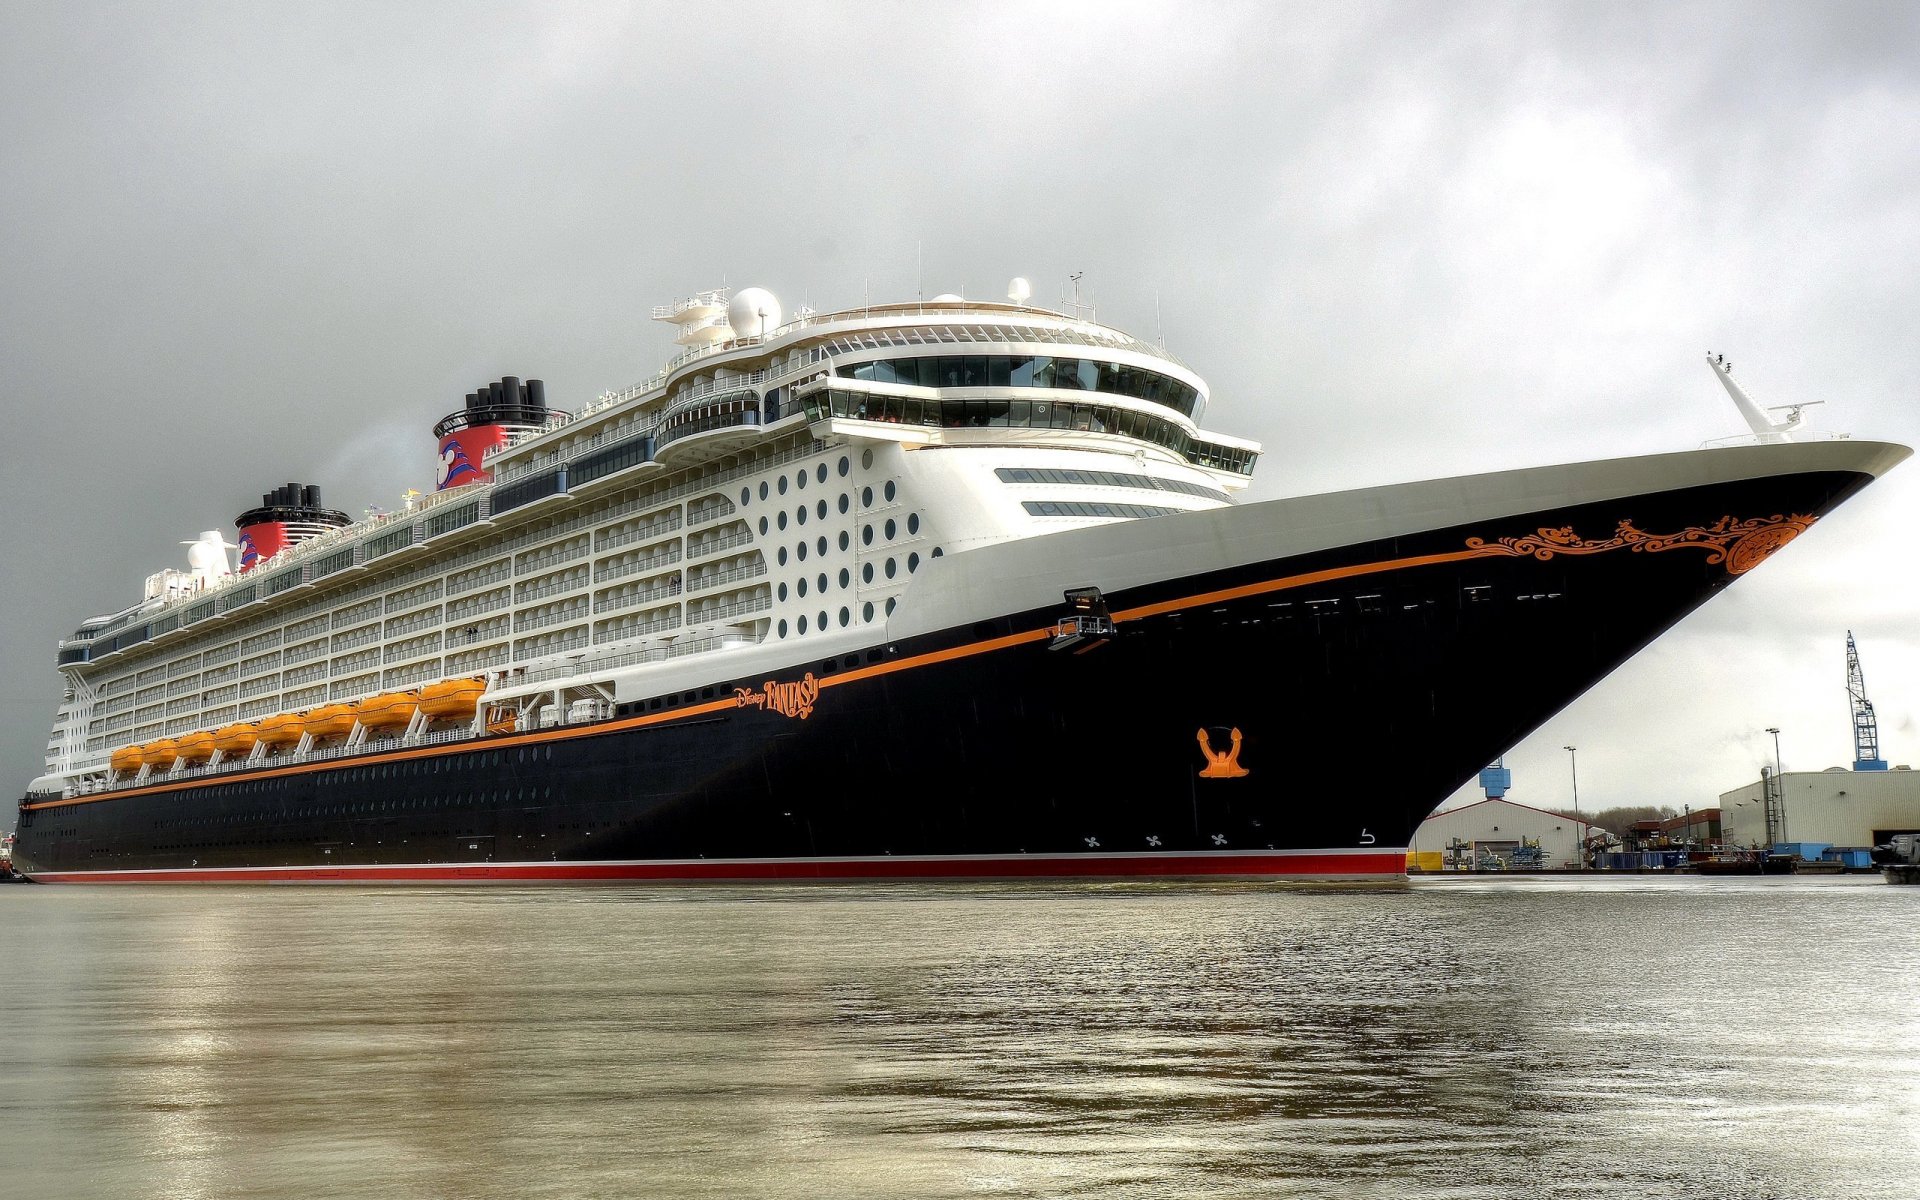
(1573,764)
(1779,785)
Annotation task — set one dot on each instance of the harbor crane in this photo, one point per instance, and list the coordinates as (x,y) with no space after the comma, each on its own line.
(1866,727)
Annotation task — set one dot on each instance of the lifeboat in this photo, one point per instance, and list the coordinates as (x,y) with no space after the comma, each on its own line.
(195,747)
(283,729)
(502,720)
(127,759)
(451,698)
(329,720)
(160,753)
(236,739)
(387,711)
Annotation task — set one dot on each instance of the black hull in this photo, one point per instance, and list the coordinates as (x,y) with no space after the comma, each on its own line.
(1363,685)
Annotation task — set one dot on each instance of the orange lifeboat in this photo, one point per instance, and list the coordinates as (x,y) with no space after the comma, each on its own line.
(502,720)
(329,720)
(388,711)
(283,729)
(195,747)
(127,759)
(451,697)
(160,753)
(232,740)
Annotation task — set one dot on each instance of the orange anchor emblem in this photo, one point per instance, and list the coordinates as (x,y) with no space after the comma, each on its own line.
(1221,766)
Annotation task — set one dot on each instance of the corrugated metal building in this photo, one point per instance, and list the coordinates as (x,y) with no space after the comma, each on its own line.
(1488,832)
(1835,806)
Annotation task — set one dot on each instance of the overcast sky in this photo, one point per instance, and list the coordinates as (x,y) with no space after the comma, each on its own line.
(251,244)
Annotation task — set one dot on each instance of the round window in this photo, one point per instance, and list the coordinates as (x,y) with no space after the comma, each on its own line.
(913,522)
(746,497)
(913,563)
(803,624)
(889,489)
(821,474)
(866,460)
(845,466)
(866,572)
(846,617)
(800,588)
(890,568)
(866,497)
(782,483)
(890,529)
(783,627)
(866,612)
(866,535)
(845,540)
(846,577)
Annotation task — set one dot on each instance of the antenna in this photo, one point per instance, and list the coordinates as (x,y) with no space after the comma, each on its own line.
(1764,427)
(1160,337)
(1866,727)
(919,291)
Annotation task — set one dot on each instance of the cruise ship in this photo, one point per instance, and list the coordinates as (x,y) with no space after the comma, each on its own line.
(947,589)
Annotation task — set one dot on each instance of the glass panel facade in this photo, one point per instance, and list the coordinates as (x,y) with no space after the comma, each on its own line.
(1021,370)
(1088,417)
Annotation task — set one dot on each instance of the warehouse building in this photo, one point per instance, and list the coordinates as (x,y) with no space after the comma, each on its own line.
(1836,806)
(1498,834)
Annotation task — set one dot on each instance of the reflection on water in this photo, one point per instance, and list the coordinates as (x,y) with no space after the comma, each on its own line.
(1625,1037)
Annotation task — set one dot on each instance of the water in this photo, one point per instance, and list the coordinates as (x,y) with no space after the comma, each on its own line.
(1628,1037)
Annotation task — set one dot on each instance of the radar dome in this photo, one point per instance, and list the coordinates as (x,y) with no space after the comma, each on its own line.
(1019,291)
(946,298)
(753,312)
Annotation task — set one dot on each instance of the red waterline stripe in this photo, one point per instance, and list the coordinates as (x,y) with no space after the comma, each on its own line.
(1309,865)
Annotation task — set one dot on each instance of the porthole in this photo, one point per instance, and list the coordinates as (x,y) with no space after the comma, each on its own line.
(800,514)
(890,568)
(866,460)
(783,485)
(783,593)
(763,489)
(821,545)
(821,474)
(800,480)
(866,497)
(866,535)
(800,588)
(823,620)
(823,583)
(746,497)
(891,601)
(913,563)
(801,551)
(783,520)
(845,466)
(890,529)
(782,556)
(866,572)
(937,552)
(845,503)
(845,539)
(889,489)
(913,522)
(763,526)
(846,577)
(866,611)
(820,510)
(846,617)
(783,627)
(803,624)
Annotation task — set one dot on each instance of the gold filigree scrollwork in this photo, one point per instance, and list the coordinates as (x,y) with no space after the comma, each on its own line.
(1741,545)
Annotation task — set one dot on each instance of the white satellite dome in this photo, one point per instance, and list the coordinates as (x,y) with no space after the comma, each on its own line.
(1019,290)
(753,312)
(946,298)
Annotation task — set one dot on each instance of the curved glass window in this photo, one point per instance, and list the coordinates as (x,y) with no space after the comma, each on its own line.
(1088,417)
(1030,370)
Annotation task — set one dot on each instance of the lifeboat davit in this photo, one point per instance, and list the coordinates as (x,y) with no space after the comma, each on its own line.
(388,711)
(160,753)
(127,758)
(283,729)
(195,747)
(236,739)
(329,720)
(503,720)
(451,698)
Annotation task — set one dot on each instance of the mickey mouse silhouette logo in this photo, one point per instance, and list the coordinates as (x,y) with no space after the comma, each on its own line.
(1221,766)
